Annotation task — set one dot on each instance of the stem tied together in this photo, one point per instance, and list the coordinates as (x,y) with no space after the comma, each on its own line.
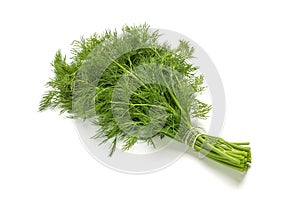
(236,155)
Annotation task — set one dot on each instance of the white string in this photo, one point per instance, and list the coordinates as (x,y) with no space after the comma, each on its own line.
(190,139)
(196,139)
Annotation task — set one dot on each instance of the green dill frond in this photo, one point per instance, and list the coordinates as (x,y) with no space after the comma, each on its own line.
(135,88)
(86,51)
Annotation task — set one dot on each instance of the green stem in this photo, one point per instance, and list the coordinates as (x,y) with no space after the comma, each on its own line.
(232,155)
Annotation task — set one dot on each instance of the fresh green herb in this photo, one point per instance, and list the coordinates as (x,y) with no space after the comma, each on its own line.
(136,88)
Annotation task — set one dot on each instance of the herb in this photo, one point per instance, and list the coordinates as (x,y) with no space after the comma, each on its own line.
(136,88)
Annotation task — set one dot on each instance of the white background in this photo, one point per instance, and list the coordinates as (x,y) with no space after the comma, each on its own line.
(256,48)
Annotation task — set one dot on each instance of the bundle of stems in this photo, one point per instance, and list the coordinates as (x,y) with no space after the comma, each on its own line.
(137,88)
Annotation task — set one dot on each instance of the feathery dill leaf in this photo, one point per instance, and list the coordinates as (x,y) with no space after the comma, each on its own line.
(97,81)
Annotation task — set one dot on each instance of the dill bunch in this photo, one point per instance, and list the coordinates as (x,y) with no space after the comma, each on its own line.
(137,88)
